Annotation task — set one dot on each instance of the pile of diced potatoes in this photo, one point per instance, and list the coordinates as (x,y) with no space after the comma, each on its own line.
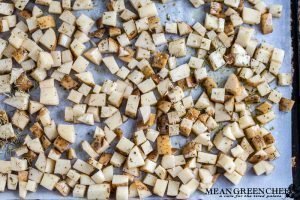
(223,127)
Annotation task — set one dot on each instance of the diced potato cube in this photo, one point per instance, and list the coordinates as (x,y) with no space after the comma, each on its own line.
(109,18)
(251,16)
(275,10)
(284,79)
(177,48)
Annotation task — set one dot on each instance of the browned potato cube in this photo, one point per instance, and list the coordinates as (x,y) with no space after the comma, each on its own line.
(209,84)
(151,120)
(37,130)
(25,14)
(24,83)
(164,106)
(68,83)
(229,58)
(128,58)
(162,124)
(258,142)
(153,156)
(182,84)
(216,8)
(154,23)
(164,145)
(264,107)
(241,6)
(61,144)
(190,150)
(147,71)
(45,142)
(286,105)
(99,144)
(30,156)
(203,117)
(258,156)
(98,33)
(23,176)
(46,22)
(266,23)
(160,60)
(269,139)
(191,82)
(20,55)
(3,117)
(229,28)
(105,158)
(114,31)
(252,99)
(192,114)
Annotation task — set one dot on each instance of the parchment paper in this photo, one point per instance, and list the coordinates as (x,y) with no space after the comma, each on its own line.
(182,10)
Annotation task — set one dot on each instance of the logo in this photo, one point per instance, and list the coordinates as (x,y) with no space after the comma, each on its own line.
(266,193)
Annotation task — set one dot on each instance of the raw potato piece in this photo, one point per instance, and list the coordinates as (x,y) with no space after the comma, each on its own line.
(83,5)
(251,16)
(77,47)
(4,26)
(6,8)
(263,167)
(67,132)
(284,79)
(122,192)
(79,191)
(148,10)
(275,10)
(62,166)
(234,177)
(49,181)
(84,23)
(180,72)
(48,95)
(177,48)
(125,145)
(145,41)
(88,149)
(83,167)
(109,18)
(94,56)
(20,119)
(244,36)
(7,132)
(45,60)
(218,95)
(135,158)
(132,106)
(111,64)
(55,7)
(216,60)
(160,187)
(171,28)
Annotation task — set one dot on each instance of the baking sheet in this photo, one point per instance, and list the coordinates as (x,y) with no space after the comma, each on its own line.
(182,10)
